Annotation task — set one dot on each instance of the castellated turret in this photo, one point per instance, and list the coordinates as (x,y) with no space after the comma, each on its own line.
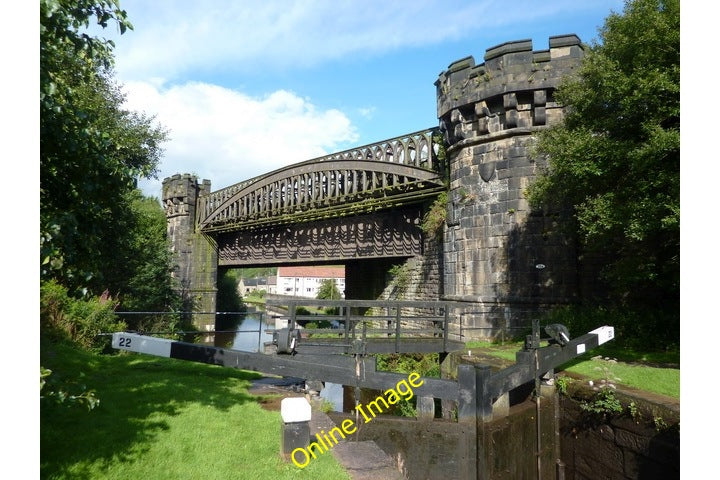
(497,251)
(512,89)
(194,254)
(180,194)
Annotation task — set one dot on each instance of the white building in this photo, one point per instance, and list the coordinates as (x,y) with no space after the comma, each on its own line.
(306,281)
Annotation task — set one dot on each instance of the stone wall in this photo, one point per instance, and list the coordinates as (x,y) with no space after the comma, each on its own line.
(619,449)
(441,449)
(417,278)
(194,254)
(498,253)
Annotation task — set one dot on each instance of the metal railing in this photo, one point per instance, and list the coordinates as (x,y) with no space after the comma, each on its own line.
(346,321)
(155,318)
(366,320)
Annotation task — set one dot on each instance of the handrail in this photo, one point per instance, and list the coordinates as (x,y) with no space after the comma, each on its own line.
(390,321)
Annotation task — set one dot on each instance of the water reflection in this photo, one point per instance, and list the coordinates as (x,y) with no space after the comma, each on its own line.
(245,332)
(333,393)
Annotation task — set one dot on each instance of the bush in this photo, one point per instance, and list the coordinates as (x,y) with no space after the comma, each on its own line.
(427,365)
(649,329)
(55,392)
(318,324)
(604,404)
(434,220)
(228,298)
(77,320)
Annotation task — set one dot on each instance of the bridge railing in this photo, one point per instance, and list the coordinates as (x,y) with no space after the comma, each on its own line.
(399,163)
(418,149)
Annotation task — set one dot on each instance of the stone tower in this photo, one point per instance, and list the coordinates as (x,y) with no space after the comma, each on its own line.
(497,252)
(195,254)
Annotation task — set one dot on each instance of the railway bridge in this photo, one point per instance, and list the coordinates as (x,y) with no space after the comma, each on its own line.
(364,207)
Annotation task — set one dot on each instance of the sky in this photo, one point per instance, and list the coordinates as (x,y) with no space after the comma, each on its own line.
(247,87)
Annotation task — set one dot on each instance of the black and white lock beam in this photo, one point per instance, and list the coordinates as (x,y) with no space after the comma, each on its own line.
(361,371)
(133,342)
(340,369)
(529,362)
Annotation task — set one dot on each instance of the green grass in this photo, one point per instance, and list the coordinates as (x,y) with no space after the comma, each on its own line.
(255,297)
(505,351)
(656,372)
(162,419)
(665,381)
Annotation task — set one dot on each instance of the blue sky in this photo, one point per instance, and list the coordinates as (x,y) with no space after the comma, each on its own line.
(247,87)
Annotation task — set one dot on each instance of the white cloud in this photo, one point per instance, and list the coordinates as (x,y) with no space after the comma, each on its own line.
(172,38)
(367,112)
(226,136)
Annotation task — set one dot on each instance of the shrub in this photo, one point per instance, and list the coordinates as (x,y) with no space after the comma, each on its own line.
(77,320)
(604,403)
(427,365)
(434,220)
(53,391)
(634,329)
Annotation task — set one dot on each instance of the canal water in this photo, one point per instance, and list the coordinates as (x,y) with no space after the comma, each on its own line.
(246,332)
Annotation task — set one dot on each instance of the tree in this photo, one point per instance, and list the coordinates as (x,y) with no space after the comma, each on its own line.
(140,275)
(328,290)
(229,298)
(616,158)
(91,150)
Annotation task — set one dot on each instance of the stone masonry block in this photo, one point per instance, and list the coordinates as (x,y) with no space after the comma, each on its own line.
(503,174)
(494,168)
(498,208)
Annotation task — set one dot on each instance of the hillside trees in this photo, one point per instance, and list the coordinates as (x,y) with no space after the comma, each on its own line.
(91,149)
(228,296)
(616,158)
(140,272)
(98,233)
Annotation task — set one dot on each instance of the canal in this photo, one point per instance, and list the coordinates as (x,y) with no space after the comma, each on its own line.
(246,332)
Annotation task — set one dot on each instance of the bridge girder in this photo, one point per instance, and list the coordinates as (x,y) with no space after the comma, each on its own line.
(388,174)
(387,234)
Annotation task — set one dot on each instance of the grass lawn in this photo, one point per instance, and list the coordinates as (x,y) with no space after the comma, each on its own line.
(162,419)
(657,372)
(255,297)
